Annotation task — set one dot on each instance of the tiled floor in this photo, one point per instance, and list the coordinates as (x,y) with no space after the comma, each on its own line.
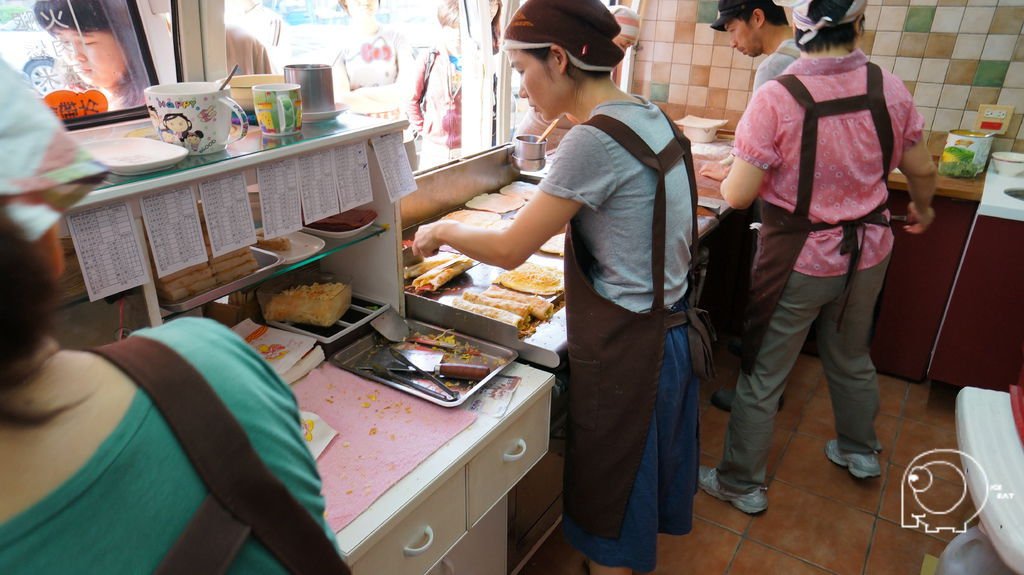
(819,519)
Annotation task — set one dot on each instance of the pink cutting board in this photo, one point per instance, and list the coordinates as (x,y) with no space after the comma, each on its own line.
(382,435)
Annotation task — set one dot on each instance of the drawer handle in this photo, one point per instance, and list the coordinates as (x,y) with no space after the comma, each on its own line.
(414,551)
(517,454)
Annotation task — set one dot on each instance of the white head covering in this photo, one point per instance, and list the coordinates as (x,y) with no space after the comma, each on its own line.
(41,167)
(628,20)
(810,26)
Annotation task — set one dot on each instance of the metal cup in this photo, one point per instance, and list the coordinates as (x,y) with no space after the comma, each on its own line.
(529,147)
(317,86)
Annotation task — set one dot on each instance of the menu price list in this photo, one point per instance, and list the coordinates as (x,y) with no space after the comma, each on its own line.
(172,226)
(353,169)
(228,215)
(394,165)
(107,243)
(280,202)
(318,186)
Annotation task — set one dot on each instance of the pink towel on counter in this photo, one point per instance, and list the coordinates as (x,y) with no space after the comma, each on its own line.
(382,435)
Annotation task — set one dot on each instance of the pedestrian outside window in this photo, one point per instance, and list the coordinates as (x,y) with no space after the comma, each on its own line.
(87,59)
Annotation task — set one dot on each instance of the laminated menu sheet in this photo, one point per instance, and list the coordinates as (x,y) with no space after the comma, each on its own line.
(353,171)
(394,165)
(228,215)
(318,187)
(280,202)
(107,242)
(383,434)
(172,226)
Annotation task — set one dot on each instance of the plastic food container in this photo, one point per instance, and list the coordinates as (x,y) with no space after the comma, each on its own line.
(1008,163)
(321,313)
(700,130)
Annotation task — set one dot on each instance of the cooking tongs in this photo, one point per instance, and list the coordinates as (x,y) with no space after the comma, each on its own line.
(423,373)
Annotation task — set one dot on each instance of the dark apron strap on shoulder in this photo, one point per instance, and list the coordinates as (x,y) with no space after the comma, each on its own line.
(701,332)
(880,115)
(639,149)
(244,494)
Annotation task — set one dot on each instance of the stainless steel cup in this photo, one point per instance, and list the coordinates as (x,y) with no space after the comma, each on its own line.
(529,147)
(528,165)
(317,86)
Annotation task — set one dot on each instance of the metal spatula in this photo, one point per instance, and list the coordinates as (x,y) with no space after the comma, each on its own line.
(391,325)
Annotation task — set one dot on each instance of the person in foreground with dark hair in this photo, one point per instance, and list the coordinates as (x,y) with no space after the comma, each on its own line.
(94,479)
(631,458)
(825,241)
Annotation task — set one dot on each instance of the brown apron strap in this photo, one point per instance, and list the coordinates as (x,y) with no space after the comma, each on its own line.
(639,149)
(701,333)
(209,543)
(880,115)
(808,143)
(224,458)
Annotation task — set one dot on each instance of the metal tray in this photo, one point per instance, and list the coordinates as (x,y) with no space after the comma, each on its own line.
(358,314)
(546,346)
(267,261)
(374,348)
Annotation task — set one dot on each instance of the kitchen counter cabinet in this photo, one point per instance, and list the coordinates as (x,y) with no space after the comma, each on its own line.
(917,286)
(980,339)
(413,525)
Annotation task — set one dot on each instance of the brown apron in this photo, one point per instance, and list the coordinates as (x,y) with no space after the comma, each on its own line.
(615,356)
(783,233)
(245,498)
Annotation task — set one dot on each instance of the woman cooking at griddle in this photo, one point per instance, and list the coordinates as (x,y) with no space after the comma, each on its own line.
(631,462)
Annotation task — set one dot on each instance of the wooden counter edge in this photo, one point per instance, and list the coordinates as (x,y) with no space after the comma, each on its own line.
(946,187)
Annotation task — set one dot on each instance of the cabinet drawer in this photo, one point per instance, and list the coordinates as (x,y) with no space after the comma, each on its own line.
(423,537)
(504,462)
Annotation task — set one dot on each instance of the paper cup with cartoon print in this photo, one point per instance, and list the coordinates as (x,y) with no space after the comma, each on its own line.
(278,108)
(194,115)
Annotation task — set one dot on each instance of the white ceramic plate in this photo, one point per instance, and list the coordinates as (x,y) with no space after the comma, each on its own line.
(337,235)
(322,116)
(303,246)
(131,156)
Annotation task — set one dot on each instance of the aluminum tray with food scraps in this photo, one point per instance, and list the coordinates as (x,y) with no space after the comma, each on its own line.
(441,366)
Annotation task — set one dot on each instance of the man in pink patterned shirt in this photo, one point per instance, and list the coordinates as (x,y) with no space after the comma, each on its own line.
(816,145)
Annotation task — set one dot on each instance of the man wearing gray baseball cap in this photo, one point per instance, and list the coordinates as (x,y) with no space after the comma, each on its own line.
(755,27)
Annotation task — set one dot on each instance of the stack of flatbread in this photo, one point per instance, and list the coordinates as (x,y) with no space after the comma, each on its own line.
(473,217)
(554,245)
(524,190)
(533,278)
(497,203)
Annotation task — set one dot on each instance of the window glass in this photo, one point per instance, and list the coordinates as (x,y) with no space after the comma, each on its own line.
(390,58)
(87,59)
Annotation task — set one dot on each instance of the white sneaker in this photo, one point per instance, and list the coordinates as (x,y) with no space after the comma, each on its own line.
(754,502)
(860,465)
